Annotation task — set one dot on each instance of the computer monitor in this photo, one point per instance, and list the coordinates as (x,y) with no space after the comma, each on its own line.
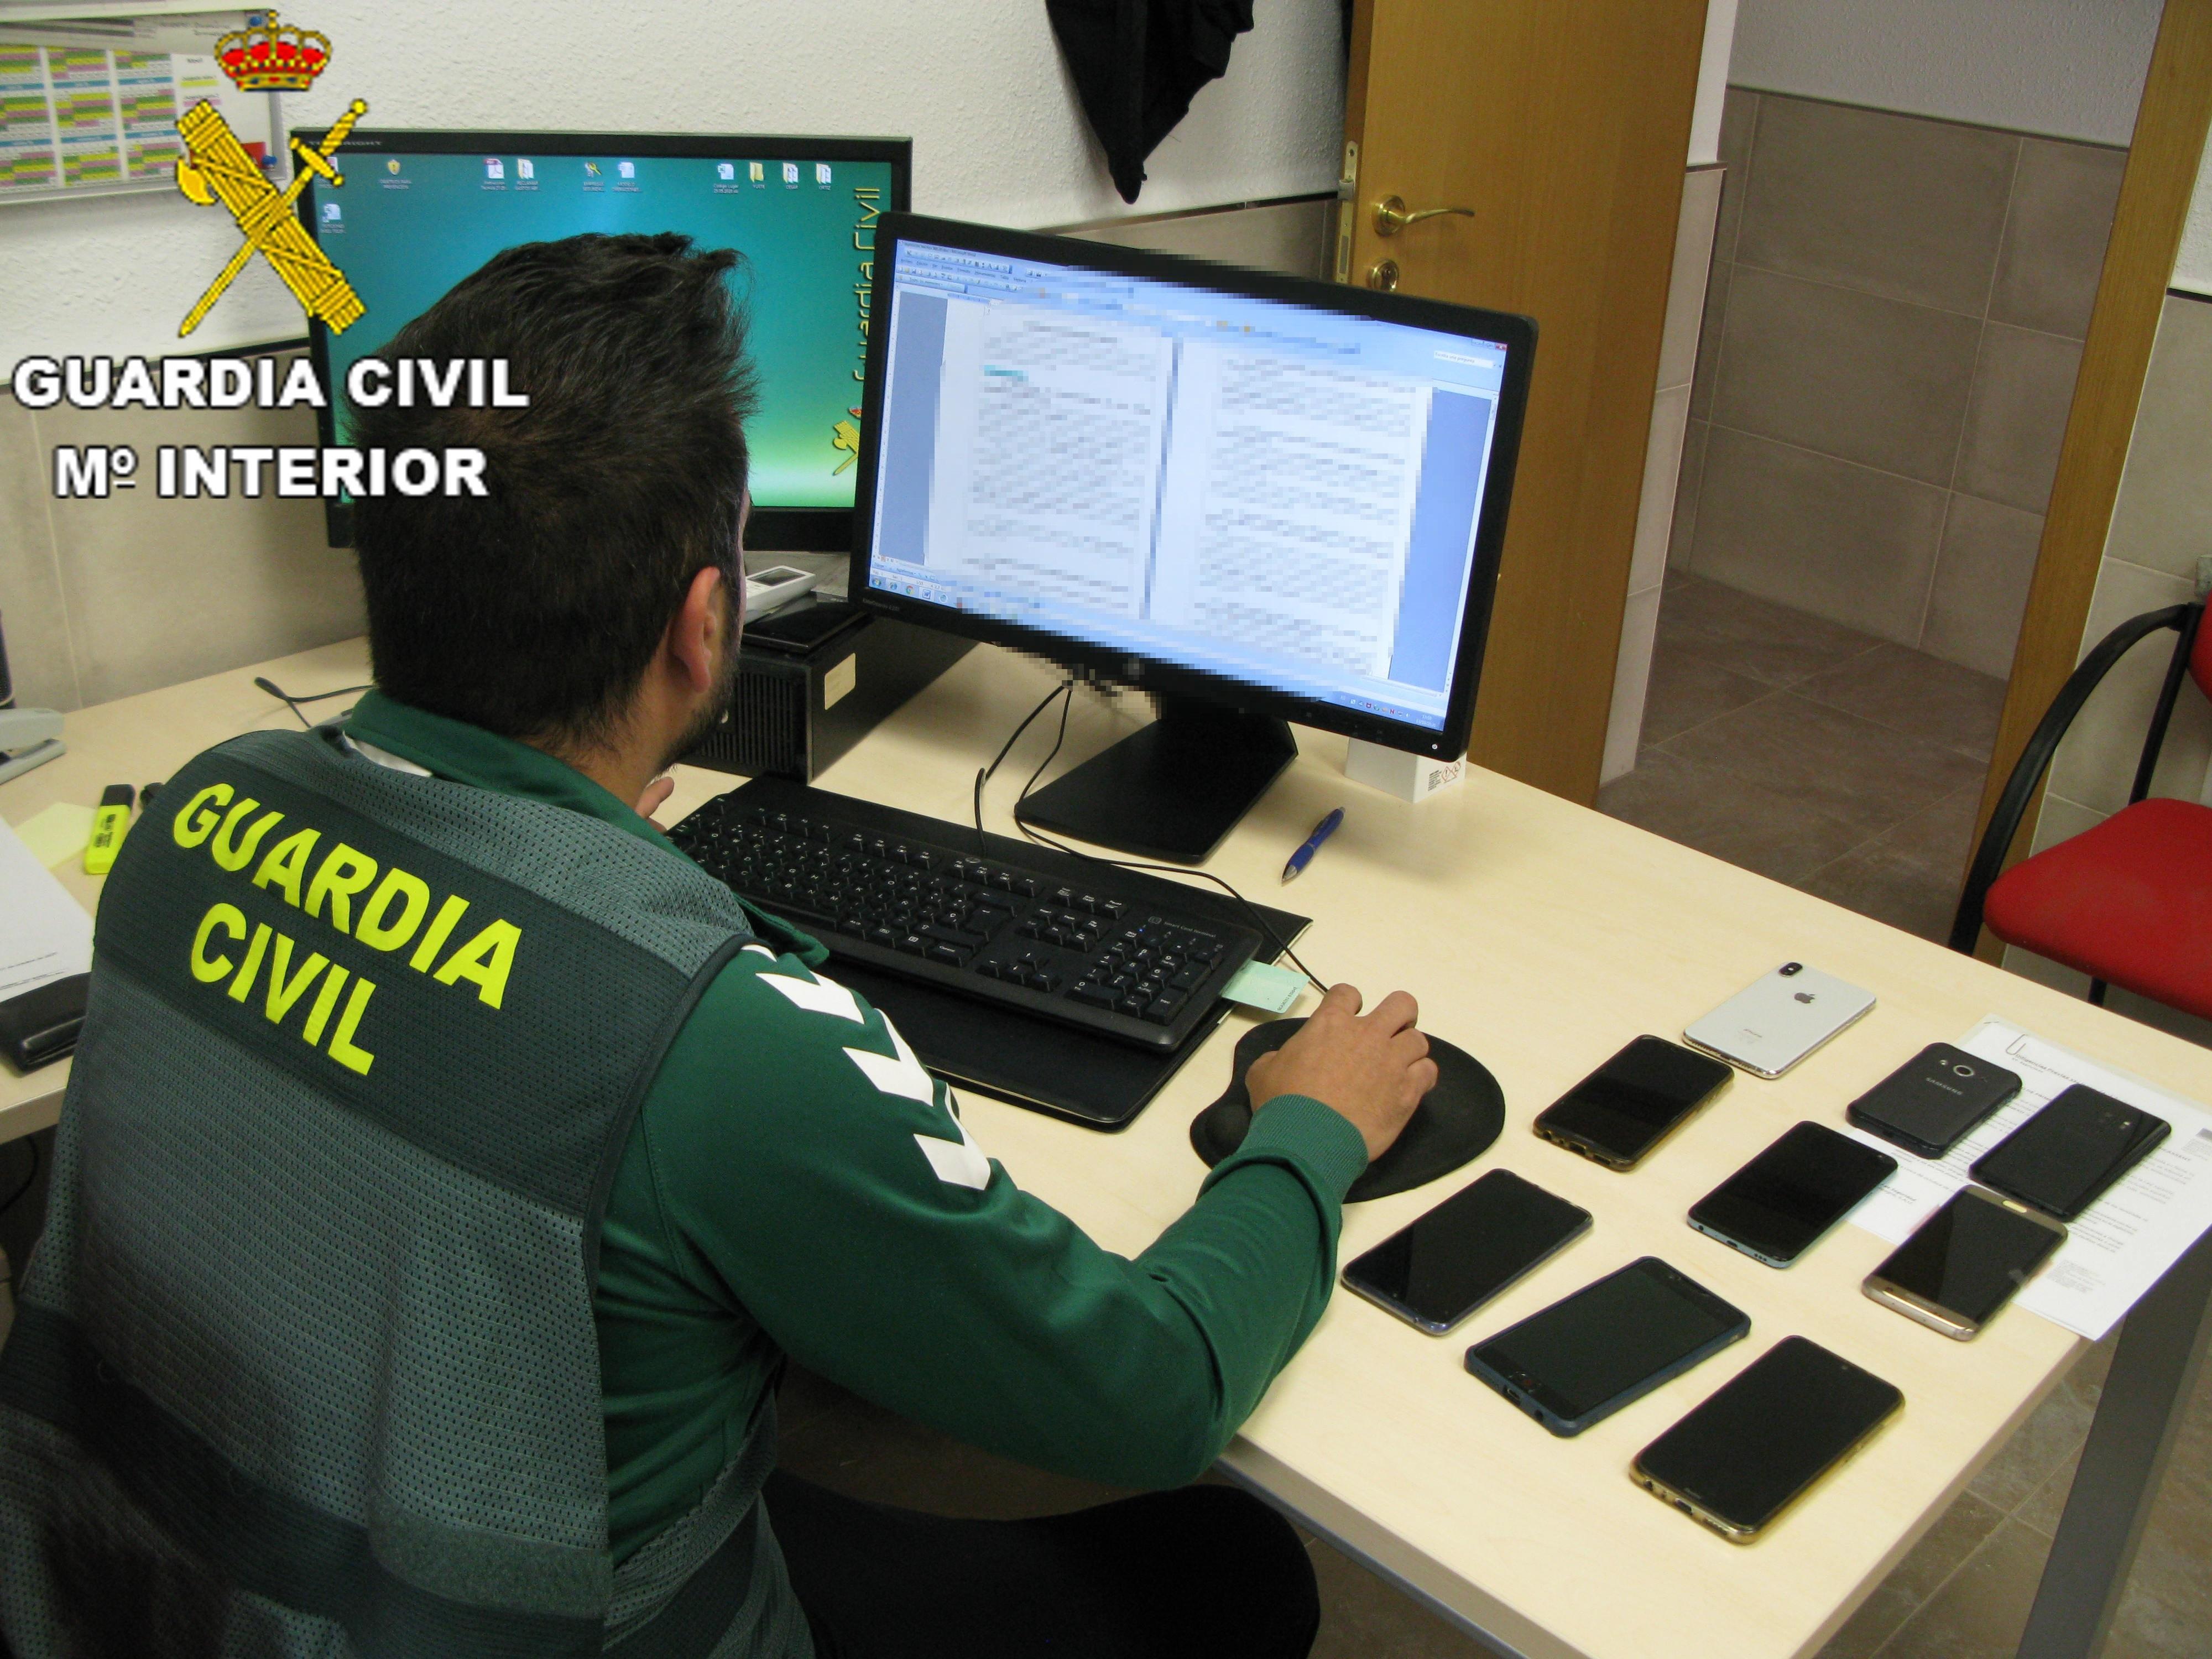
(1261,498)
(420,210)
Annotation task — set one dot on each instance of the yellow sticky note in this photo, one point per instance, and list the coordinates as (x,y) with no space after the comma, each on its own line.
(58,834)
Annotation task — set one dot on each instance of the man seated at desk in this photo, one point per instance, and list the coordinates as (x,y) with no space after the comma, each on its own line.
(449,1164)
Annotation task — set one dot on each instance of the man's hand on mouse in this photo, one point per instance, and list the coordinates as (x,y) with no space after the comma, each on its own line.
(1373,1068)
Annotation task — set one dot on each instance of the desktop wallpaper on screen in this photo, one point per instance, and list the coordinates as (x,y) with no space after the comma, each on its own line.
(406,228)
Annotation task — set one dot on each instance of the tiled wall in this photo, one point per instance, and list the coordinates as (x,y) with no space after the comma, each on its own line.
(2161,526)
(1662,466)
(1891,332)
(102,598)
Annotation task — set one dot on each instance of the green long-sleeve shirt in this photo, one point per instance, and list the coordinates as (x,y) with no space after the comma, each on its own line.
(795,1183)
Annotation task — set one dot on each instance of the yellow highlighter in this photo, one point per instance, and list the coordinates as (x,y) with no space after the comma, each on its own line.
(109,825)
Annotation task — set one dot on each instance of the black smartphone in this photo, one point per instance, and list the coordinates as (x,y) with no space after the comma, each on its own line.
(1932,1102)
(1752,1449)
(1608,1346)
(1441,1268)
(1777,1205)
(1964,1262)
(1631,1103)
(2063,1158)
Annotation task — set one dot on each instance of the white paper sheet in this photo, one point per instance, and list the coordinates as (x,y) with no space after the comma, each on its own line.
(44,933)
(2124,1241)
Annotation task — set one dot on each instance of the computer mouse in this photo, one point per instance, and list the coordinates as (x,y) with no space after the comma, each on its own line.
(1455,1123)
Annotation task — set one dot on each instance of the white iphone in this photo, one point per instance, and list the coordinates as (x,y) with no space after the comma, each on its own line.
(1778,1019)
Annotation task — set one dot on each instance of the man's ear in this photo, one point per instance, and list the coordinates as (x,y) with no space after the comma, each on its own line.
(698,634)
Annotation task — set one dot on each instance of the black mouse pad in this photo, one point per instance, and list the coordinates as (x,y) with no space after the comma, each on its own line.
(1455,1123)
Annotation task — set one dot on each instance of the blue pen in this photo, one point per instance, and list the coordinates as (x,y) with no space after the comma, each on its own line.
(1322,831)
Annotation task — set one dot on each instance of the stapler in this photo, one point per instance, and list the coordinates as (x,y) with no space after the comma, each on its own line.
(28,738)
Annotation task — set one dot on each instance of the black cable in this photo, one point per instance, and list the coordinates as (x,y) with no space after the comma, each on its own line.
(293,702)
(1065,688)
(1042,839)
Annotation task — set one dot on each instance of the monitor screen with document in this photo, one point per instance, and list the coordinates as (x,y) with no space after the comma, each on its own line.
(419,210)
(1273,495)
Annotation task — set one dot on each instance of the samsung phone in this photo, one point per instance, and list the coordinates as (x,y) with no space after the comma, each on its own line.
(1965,1263)
(2063,1158)
(1631,1103)
(1775,1022)
(1776,1206)
(1608,1346)
(1440,1269)
(1752,1450)
(1932,1102)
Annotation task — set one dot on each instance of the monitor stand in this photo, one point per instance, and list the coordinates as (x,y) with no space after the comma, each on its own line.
(1173,789)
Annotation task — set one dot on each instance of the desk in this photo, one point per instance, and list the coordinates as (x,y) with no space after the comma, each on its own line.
(1541,936)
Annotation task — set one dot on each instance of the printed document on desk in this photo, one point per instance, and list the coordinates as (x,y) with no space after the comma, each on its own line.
(2124,1243)
(45,934)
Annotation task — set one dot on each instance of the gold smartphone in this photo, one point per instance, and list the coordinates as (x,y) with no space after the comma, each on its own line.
(1965,1262)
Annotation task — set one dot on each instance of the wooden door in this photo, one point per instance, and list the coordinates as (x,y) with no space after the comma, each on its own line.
(1564,125)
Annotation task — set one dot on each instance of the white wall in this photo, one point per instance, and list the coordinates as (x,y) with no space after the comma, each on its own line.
(2070,69)
(978,84)
(1712,82)
(2193,269)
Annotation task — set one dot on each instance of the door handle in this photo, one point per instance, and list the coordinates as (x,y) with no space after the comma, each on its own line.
(1391,216)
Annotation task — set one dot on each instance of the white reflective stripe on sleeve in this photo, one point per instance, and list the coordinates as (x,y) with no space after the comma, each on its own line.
(903,1075)
(817,997)
(960,1164)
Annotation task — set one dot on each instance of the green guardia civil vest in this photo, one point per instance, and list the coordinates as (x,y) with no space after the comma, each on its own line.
(305,1362)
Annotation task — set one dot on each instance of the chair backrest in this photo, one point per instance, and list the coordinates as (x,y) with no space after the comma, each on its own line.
(2200,657)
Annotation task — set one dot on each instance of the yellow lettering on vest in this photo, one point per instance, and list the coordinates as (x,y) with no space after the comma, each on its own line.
(197,818)
(488,959)
(232,921)
(236,857)
(343,873)
(325,999)
(413,893)
(342,1049)
(287,862)
(256,948)
(448,917)
(285,988)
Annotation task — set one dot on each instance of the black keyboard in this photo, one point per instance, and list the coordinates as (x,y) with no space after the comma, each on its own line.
(1110,951)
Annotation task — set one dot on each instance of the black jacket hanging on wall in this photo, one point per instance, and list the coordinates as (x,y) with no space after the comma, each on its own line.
(1138,64)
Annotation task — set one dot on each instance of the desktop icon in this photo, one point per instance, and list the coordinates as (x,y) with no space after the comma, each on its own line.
(626,169)
(727,171)
(392,166)
(494,168)
(331,213)
(524,167)
(591,169)
(758,172)
(822,173)
(791,175)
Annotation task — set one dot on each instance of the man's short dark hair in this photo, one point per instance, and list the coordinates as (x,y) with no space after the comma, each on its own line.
(533,610)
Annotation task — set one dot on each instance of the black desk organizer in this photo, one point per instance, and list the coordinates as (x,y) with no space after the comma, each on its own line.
(1060,1070)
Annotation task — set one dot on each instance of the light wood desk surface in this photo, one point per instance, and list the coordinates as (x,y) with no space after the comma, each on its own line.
(1541,936)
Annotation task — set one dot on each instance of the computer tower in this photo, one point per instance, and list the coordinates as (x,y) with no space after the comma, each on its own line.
(813,679)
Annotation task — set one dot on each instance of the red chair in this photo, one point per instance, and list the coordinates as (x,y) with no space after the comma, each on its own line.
(2129,902)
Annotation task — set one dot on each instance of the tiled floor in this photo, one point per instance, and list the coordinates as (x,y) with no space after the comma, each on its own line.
(1850,768)
(1823,758)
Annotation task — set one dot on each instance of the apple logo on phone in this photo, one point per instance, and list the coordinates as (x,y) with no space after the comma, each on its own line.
(1804,996)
